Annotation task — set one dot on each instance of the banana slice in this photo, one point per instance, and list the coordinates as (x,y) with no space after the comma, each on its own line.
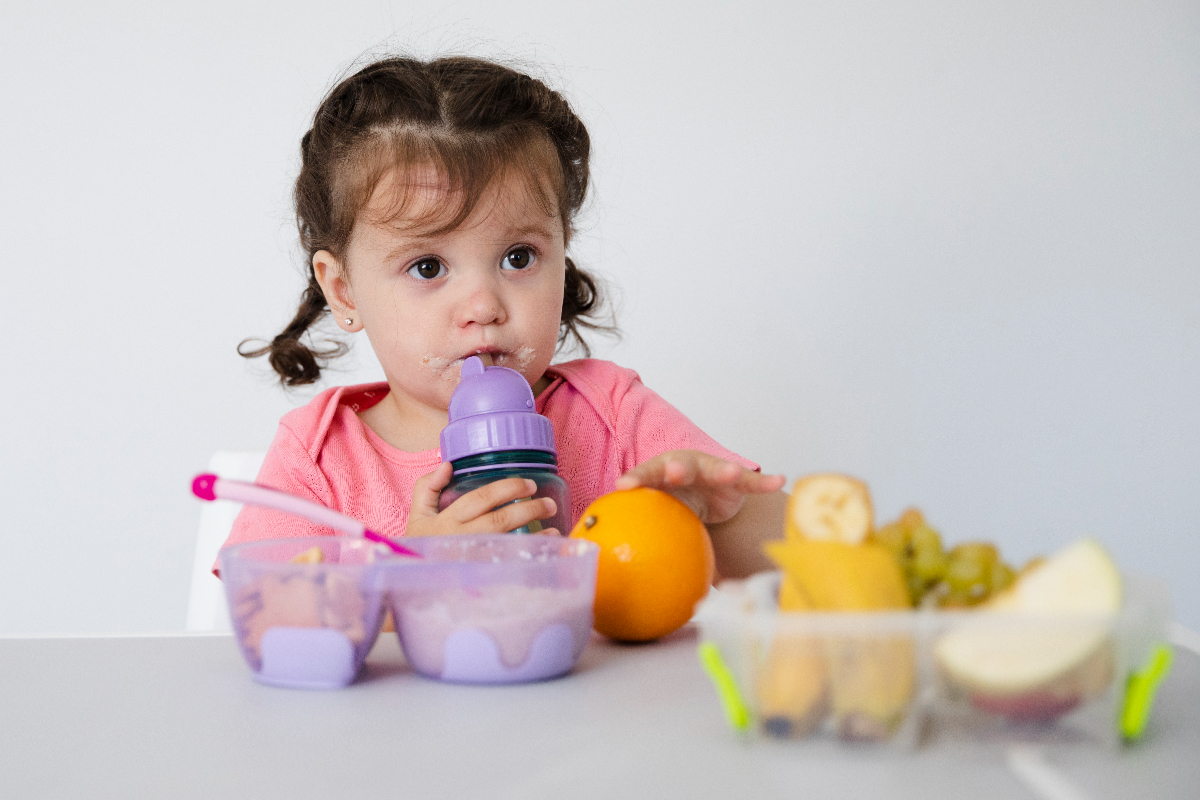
(313,555)
(830,507)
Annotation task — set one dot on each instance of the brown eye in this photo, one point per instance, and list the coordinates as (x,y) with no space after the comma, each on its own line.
(517,259)
(427,269)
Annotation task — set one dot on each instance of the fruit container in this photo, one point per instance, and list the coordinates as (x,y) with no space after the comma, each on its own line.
(909,678)
(493,608)
(305,611)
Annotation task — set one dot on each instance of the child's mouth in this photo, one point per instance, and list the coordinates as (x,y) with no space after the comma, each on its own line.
(449,369)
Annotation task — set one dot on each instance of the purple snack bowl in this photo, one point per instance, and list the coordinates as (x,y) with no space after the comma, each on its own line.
(493,608)
(304,625)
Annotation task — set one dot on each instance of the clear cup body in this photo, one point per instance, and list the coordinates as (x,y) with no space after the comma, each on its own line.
(549,484)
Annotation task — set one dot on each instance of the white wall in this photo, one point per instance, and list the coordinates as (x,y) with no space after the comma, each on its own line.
(951,249)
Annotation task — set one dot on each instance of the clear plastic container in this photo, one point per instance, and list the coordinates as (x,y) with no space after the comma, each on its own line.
(898,677)
(304,625)
(493,608)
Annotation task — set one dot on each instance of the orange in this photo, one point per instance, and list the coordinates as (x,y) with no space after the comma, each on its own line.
(656,562)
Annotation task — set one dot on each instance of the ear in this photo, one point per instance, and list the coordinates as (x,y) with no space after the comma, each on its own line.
(331,274)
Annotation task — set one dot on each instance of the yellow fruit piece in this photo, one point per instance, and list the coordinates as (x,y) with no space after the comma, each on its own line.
(829,507)
(842,577)
(792,686)
(656,562)
(866,682)
(312,555)
(872,681)
(791,598)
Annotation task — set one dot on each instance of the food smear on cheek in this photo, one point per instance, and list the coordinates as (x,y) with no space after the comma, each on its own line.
(519,360)
(446,369)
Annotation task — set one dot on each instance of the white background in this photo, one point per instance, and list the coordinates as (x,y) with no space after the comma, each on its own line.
(950,248)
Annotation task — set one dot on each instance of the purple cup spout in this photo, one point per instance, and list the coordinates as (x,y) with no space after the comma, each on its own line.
(492,409)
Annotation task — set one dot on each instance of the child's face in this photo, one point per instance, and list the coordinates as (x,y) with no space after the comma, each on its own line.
(493,285)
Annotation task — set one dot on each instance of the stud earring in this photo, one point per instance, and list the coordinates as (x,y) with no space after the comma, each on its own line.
(349,321)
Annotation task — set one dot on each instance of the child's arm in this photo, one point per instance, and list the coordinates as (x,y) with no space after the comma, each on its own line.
(741,508)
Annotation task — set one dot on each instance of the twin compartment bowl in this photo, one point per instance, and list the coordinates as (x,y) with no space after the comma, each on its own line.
(488,609)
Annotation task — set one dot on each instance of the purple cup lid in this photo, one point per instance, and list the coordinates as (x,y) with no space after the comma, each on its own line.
(492,410)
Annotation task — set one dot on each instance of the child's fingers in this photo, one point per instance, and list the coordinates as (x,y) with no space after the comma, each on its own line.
(678,473)
(690,468)
(765,484)
(653,473)
(719,472)
(513,516)
(682,468)
(428,489)
(748,481)
(475,504)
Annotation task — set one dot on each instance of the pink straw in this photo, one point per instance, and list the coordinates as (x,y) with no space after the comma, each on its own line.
(210,487)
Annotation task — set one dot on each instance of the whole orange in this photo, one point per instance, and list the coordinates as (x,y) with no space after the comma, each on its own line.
(656,562)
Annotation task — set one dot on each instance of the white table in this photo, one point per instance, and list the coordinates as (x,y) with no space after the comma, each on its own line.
(180,717)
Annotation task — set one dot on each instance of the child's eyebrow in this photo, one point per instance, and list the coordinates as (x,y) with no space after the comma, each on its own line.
(414,242)
(529,230)
(409,245)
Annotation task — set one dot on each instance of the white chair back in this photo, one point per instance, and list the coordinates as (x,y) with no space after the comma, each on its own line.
(207,609)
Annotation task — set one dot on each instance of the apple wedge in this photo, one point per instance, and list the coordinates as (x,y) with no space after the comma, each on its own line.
(1040,648)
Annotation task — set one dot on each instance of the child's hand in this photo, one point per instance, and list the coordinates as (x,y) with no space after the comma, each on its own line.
(475,511)
(712,487)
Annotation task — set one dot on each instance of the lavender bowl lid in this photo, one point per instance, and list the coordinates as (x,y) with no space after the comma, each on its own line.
(491,410)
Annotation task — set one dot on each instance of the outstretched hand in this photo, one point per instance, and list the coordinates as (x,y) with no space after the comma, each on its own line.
(488,509)
(712,487)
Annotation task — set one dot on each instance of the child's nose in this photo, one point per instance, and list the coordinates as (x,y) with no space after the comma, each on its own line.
(483,306)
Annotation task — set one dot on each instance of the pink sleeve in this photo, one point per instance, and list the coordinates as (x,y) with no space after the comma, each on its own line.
(650,426)
(289,468)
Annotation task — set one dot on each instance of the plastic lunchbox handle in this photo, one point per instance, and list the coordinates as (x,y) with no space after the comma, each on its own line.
(1140,689)
(736,711)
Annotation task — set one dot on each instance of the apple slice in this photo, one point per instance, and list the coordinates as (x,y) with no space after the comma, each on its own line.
(1040,648)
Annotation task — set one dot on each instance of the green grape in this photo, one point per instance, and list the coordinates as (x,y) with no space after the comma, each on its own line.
(929,561)
(1002,576)
(896,539)
(910,519)
(981,552)
(916,588)
(968,574)
(924,536)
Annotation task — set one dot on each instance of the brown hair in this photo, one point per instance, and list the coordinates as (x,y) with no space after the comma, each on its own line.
(474,121)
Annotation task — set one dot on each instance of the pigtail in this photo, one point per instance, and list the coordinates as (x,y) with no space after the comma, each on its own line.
(582,299)
(296,363)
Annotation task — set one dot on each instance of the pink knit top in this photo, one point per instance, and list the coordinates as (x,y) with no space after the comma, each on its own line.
(605,422)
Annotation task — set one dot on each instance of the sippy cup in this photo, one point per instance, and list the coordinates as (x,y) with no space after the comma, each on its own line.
(494,433)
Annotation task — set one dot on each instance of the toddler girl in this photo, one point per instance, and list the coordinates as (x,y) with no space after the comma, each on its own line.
(435,201)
